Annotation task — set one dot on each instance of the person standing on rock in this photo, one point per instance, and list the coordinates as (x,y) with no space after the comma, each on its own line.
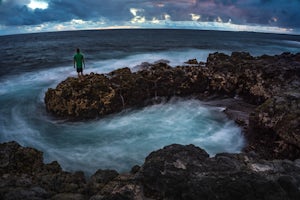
(79,62)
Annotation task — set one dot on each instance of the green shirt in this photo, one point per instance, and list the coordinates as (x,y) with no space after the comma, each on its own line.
(78,58)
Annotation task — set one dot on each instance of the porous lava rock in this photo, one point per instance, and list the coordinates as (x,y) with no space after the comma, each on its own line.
(269,82)
(256,79)
(178,172)
(187,172)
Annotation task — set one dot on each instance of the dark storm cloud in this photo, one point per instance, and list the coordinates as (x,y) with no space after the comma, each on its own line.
(283,13)
(270,12)
(262,12)
(15,12)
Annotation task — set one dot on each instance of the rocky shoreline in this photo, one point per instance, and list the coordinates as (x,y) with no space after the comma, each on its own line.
(174,172)
(260,93)
(268,87)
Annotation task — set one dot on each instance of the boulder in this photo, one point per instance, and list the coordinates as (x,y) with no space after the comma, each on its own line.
(192,62)
(186,172)
(25,176)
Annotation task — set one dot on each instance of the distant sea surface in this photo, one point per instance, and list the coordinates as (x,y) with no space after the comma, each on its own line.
(31,63)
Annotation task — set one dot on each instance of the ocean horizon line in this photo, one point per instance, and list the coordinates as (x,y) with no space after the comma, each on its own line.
(150,29)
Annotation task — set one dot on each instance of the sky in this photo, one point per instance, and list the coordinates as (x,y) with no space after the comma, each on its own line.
(27,16)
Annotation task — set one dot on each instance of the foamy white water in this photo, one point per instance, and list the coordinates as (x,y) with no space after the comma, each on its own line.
(123,140)
(118,141)
(175,58)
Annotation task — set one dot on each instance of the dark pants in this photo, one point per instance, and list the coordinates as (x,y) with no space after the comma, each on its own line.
(79,69)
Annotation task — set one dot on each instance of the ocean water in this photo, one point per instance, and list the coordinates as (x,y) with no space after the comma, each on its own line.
(32,63)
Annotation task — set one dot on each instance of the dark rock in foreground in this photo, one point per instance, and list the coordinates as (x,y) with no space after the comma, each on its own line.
(186,172)
(174,172)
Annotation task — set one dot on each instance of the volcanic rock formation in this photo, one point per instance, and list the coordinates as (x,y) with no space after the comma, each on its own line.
(174,172)
(269,82)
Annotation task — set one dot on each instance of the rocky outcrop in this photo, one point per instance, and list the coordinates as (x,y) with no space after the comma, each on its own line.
(272,83)
(269,82)
(187,172)
(256,79)
(98,95)
(275,127)
(174,172)
(25,176)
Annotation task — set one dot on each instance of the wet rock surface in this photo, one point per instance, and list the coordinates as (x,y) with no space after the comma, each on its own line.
(268,87)
(174,172)
(255,79)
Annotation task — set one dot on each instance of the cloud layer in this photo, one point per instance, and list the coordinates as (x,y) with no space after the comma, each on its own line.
(281,15)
